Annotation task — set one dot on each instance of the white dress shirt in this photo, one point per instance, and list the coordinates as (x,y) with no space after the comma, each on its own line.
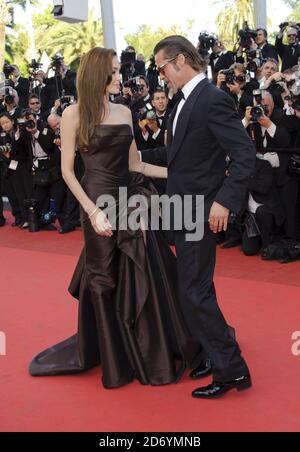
(187,91)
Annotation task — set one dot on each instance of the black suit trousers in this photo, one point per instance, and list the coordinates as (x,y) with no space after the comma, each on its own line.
(196,265)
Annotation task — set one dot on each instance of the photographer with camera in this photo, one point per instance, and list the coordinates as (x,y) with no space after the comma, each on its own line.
(234,82)
(45,162)
(130,66)
(274,81)
(153,123)
(290,53)
(70,211)
(220,59)
(64,81)
(267,128)
(15,172)
(10,103)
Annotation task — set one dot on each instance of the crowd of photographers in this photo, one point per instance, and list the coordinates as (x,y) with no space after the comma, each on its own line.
(264,83)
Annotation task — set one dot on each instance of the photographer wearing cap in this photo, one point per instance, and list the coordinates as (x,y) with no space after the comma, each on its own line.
(288,53)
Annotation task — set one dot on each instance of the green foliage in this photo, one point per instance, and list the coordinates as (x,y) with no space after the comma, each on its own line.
(16,47)
(145,39)
(72,40)
(232,18)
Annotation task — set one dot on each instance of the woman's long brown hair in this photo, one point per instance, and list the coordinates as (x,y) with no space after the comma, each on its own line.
(94,75)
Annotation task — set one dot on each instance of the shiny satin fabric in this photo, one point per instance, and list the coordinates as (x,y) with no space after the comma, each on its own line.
(129,318)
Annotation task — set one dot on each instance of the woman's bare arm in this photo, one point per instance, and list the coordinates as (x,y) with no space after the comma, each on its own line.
(69,126)
(135,164)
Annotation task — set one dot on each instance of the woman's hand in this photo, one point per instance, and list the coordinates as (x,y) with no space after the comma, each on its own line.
(101,224)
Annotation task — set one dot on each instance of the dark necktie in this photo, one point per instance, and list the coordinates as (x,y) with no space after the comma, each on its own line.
(180,95)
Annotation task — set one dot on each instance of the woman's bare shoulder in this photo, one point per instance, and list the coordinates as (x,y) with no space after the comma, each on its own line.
(72,113)
(122,112)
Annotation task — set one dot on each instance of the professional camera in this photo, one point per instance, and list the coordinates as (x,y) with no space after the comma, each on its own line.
(260,110)
(135,86)
(206,41)
(128,60)
(65,102)
(8,70)
(231,78)
(8,93)
(57,62)
(34,65)
(25,122)
(147,113)
(254,60)
(5,148)
(246,37)
(284,25)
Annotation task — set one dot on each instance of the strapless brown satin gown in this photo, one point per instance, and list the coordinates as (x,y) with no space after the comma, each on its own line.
(129,317)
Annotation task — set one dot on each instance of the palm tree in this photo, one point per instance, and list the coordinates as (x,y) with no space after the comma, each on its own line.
(232,19)
(4,20)
(72,40)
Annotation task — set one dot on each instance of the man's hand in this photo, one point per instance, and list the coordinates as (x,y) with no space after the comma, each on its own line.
(218,218)
(264,121)
(152,124)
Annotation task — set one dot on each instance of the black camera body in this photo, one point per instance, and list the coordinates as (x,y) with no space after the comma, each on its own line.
(246,35)
(231,78)
(134,85)
(259,110)
(8,94)
(25,122)
(57,62)
(206,41)
(8,70)
(296,102)
(147,113)
(65,101)
(5,148)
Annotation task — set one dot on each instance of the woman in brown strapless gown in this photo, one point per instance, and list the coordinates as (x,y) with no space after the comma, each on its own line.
(130,320)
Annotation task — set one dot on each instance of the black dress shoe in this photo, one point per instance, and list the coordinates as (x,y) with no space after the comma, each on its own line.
(2,222)
(203,370)
(67,229)
(218,389)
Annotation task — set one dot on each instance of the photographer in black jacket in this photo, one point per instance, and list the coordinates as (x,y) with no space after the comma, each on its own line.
(234,82)
(288,53)
(45,164)
(15,171)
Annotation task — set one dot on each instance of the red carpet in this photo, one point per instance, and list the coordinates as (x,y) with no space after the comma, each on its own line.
(262,300)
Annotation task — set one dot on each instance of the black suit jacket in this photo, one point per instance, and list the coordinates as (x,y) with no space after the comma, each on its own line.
(209,129)
(264,191)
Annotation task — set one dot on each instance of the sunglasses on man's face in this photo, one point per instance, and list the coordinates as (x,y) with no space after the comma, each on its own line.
(291,36)
(161,69)
(35,103)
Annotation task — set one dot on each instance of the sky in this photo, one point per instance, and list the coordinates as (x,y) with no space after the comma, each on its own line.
(129,14)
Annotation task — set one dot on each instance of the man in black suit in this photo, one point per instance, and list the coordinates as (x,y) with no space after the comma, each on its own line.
(267,50)
(21,85)
(204,128)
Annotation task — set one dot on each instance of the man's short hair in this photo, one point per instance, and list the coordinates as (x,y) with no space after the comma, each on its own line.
(271,60)
(263,30)
(176,45)
(145,80)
